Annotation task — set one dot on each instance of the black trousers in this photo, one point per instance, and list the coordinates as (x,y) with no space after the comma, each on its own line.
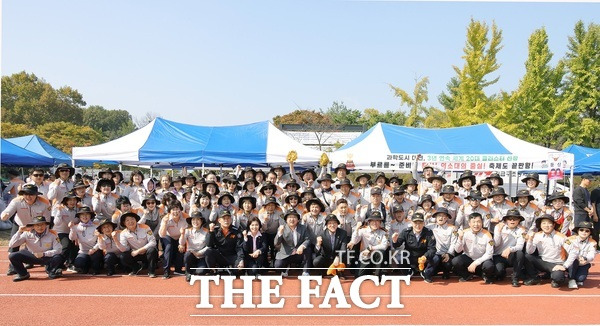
(373,262)
(516,260)
(150,257)
(172,255)
(434,265)
(83,262)
(193,264)
(20,258)
(535,264)
(462,262)
(305,260)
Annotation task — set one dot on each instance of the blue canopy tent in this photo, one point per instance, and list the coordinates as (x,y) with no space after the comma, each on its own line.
(17,156)
(164,143)
(587,159)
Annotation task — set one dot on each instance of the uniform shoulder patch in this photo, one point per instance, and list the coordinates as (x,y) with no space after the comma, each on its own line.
(488,216)
(569,218)
(568,241)
(491,242)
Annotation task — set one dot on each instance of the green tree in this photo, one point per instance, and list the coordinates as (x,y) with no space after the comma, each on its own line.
(26,99)
(10,130)
(471,104)
(449,101)
(339,114)
(372,116)
(436,119)
(577,118)
(528,111)
(65,135)
(111,123)
(418,111)
(302,117)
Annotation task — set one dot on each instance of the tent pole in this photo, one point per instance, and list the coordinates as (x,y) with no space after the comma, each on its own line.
(202,168)
(571,189)
(120,167)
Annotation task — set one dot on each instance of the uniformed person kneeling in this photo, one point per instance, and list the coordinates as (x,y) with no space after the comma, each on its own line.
(509,239)
(477,247)
(43,248)
(419,241)
(225,245)
(373,243)
(137,245)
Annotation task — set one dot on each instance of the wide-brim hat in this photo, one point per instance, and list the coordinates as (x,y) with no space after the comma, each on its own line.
(441,210)
(63,166)
(475,194)
(585,225)
(412,181)
(292,183)
(374,216)
(437,177)
(345,182)
(80,184)
(191,176)
(308,190)
(277,167)
(38,220)
(176,179)
(484,182)
(513,212)
(498,191)
(230,179)
(326,177)
(538,221)
(525,193)
(195,214)
(268,185)
(376,191)
(381,175)
(341,166)
(225,194)
(363,175)
(102,182)
(394,177)
(124,216)
(248,181)
(106,170)
(250,198)
(69,195)
(448,189)
(29,189)
(398,190)
(290,213)
(289,195)
(205,186)
(467,174)
(533,176)
(200,181)
(260,172)
(271,200)
(314,201)
(331,217)
(497,176)
(105,221)
(311,171)
(425,198)
(86,209)
(147,198)
(558,195)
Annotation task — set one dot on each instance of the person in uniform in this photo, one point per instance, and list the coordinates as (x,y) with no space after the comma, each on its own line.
(136,190)
(249,188)
(63,183)
(477,247)
(345,192)
(226,202)
(412,190)
(105,244)
(24,208)
(205,206)
(376,204)
(84,233)
(382,181)
(341,173)
(137,245)
(65,214)
(314,219)
(270,218)
(104,201)
(195,241)
(450,201)
(496,180)
(331,246)
(165,186)
(466,182)
(446,236)
(170,232)
(498,207)
(584,249)
(562,214)
(373,244)
(426,207)
(325,193)
(307,194)
(37,179)
(267,190)
(532,181)
(80,189)
(419,242)
(245,213)
(527,208)
(346,217)
(399,199)
(293,240)
(472,206)
(552,255)
(42,248)
(436,186)
(509,241)
(292,201)
(225,245)
(485,187)
(428,172)
(255,247)
(363,188)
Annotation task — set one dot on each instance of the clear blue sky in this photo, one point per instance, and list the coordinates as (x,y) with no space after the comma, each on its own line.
(235,62)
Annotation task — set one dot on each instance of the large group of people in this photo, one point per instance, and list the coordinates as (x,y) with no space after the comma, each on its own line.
(255,222)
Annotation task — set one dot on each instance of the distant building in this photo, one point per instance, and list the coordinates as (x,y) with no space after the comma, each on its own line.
(323,137)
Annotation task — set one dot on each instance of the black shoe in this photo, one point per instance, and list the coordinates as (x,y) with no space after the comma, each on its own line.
(110,273)
(28,266)
(166,275)
(532,281)
(445,276)
(20,278)
(136,270)
(188,277)
(487,280)
(468,278)
(94,273)
(11,271)
(515,283)
(178,272)
(53,275)
(555,284)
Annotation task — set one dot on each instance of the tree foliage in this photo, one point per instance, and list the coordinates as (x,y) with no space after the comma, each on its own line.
(65,135)
(340,114)
(418,111)
(111,123)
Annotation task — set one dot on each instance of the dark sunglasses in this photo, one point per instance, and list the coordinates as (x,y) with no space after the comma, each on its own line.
(38,174)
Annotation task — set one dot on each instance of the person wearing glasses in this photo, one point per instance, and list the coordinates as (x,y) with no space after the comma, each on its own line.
(63,183)
(584,249)
(37,179)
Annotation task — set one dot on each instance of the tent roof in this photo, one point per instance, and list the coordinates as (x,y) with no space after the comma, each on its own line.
(581,152)
(39,146)
(167,143)
(17,156)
